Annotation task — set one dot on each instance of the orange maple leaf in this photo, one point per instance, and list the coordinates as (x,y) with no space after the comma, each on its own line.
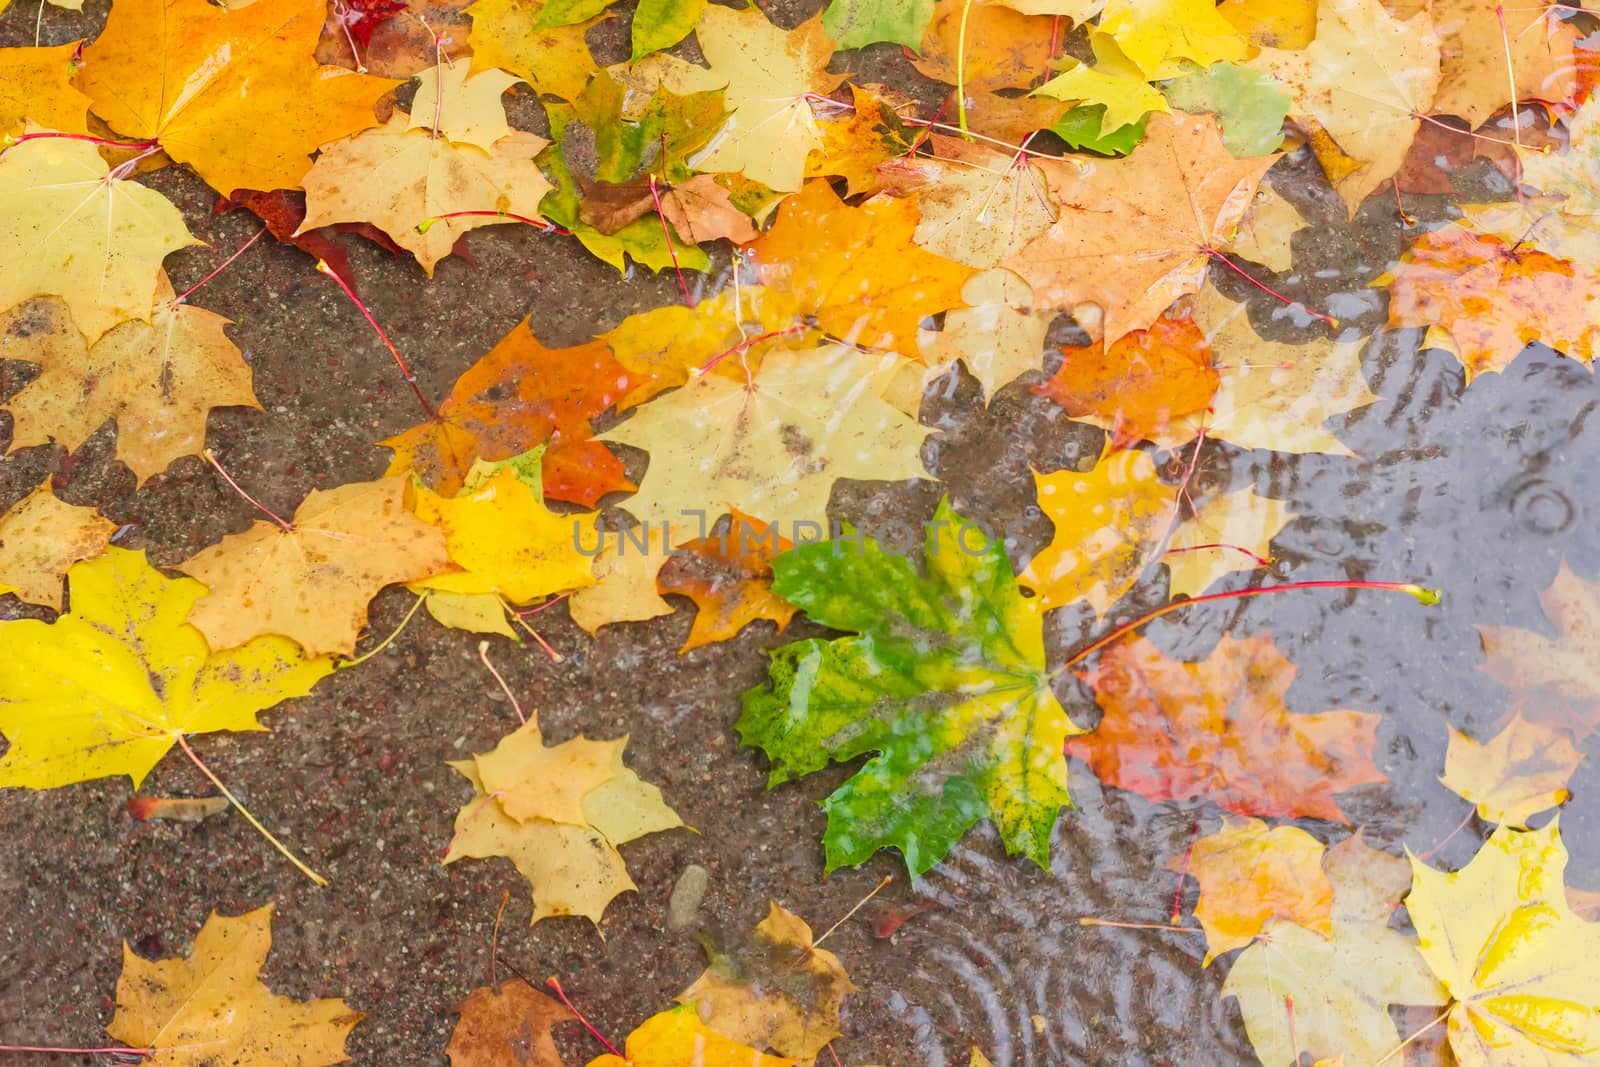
(1220,730)
(519,395)
(236,92)
(857,269)
(1140,383)
(1493,298)
(733,587)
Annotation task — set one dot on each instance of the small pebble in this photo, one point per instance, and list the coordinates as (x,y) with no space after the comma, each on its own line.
(687,894)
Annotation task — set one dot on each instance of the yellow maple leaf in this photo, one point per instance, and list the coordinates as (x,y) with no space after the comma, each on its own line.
(211,1006)
(1513,776)
(1157,34)
(558,813)
(625,567)
(463,108)
(677,1038)
(108,688)
(40,537)
(73,230)
(38,89)
(1107,522)
(768,72)
(1553,679)
(403,180)
(1114,81)
(553,59)
(1520,966)
(775,990)
(773,448)
(311,579)
(235,93)
(157,380)
(998,336)
(1228,532)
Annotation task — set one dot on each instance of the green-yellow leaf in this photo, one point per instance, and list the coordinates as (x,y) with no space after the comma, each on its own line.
(659,24)
(110,687)
(858,23)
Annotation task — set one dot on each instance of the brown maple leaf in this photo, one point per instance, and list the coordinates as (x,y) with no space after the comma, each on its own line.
(733,586)
(519,395)
(506,1026)
(311,579)
(1133,235)
(1219,730)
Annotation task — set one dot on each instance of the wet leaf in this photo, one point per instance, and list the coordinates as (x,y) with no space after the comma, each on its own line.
(1220,731)
(858,23)
(737,591)
(773,989)
(1157,35)
(857,141)
(506,1026)
(625,566)
(1250,875)
(343,546)
(553,60)
(1229,532)
(235,93)
(108,688)
(40,537)
(944,685)
(1485,49)
(38,89)
(1553,679)
(1250,105)
(1004,49)
(212,1006)
(1513,776)
(999,336)
(677,1038)
(558,813)
(1520,966)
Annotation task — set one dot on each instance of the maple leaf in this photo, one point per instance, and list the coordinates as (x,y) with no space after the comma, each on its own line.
(1266,232)
(858,138)
(1520,967)
(1114,86)
(769,72)
(1132,235)
(1572,174)
(108,688)
(1487,55)
(519,395)
(311,579)
(858,23)
(998,336)
(740,592)
(552,59)
(157,379)
(1229,532)
(506,1026)
(1140,383)
(773,448)
(38,89)
(1365,79)
(403,180)
(1518,773)
(1249,105)
(1485,300)
(625,566)
(677,1038)
(1003,48)
(659,24)
(1219,730)
(945,685)
(1554,680)
(1107,522)
(40,537)
(1250,875)
(975,205)
(558,813)
(1273,23)
(211,1006)
(775,989)
(461,106)
(1342,978)
(878,290)
(233,92)
(1157,34)
(74,230)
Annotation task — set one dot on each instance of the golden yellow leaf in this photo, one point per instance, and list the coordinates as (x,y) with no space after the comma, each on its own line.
(1513,776)
(211,1007)
(1229,532)
(236,94)
(553,59)
(1485,49)
(677,1038)
(38,89)
(403,181)
(1273,23)
(1250,875)
(775,990)
(312,581)
(558,814)
(40,537)
(156,378)
(1521,968)
(1157,34)
(108,688)
(72,231)
(768,71)
(1107,522)
(1364,79)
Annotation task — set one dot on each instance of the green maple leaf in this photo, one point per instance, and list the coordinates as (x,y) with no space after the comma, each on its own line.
(945,685)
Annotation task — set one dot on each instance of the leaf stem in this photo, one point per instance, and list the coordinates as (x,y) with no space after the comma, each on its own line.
(179,299)
(672,247)
(538,224)
(598,1036)
(516,705)
(405,368)
(112,1050)
(961,68)
(1425,596)
(211,458)
(253,821)
(381,645)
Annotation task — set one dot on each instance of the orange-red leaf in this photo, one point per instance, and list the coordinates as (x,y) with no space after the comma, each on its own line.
(730,581)
(519,395)
(1219,730)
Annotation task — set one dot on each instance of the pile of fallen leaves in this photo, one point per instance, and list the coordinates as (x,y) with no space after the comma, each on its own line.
(877,242)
